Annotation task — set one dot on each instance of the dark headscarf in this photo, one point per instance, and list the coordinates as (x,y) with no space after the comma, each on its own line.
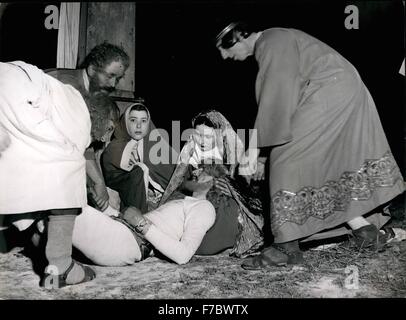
(111,158)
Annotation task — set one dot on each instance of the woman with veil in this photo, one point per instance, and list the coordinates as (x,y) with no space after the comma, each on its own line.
(215,210)
(212,154)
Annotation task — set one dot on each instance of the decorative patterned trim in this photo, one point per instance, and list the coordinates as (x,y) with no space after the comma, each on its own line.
(334,196)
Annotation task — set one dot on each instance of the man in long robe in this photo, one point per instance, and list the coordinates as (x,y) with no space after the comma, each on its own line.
(330,163)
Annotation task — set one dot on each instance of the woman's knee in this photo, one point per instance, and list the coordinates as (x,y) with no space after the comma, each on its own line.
(136,175)
(133,179)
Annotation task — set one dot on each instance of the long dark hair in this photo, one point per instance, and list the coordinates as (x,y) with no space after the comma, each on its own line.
(101,108)
(202,118)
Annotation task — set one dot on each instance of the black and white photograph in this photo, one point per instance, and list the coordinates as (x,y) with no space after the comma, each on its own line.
(202,155)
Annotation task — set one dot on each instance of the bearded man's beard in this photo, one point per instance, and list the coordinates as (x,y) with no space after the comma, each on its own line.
(95,87)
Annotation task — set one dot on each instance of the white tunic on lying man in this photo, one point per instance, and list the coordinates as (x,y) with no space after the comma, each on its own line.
(177,229)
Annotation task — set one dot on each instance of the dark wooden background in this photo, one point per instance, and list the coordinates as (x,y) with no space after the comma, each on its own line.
(178,71)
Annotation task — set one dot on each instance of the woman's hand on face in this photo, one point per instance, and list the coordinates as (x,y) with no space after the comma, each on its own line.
(222,185)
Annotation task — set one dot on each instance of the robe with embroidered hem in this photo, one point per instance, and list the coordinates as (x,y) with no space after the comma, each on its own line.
(330,161)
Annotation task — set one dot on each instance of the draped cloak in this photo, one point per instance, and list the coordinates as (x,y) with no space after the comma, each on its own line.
(331,161)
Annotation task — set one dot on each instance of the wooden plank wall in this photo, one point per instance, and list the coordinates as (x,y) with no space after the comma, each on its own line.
(113,22)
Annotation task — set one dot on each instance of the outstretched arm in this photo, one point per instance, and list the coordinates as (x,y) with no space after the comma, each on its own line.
(99,194)
(198,218)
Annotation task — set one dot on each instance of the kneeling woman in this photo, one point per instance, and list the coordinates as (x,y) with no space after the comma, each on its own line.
(127,166)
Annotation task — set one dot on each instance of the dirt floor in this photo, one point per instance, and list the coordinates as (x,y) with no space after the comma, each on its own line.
(335,271)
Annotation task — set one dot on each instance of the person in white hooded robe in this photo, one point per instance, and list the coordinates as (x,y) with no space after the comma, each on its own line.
(45,129)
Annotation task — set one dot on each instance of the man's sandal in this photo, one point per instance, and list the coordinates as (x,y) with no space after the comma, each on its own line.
(369,237)
(273,256)
(393,234)
(52,281)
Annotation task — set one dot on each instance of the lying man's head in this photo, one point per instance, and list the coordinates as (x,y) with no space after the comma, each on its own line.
(104,115)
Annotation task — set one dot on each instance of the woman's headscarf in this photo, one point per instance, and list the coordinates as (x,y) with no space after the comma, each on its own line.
(228,143)
(160,173)
(121,132)
(121,137)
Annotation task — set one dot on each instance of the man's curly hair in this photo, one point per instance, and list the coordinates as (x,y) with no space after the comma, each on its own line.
(105,53)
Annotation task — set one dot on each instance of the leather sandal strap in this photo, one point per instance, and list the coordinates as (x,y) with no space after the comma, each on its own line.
(254,263)
(389,232)
(269,261)
(89,272)
(65,274)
